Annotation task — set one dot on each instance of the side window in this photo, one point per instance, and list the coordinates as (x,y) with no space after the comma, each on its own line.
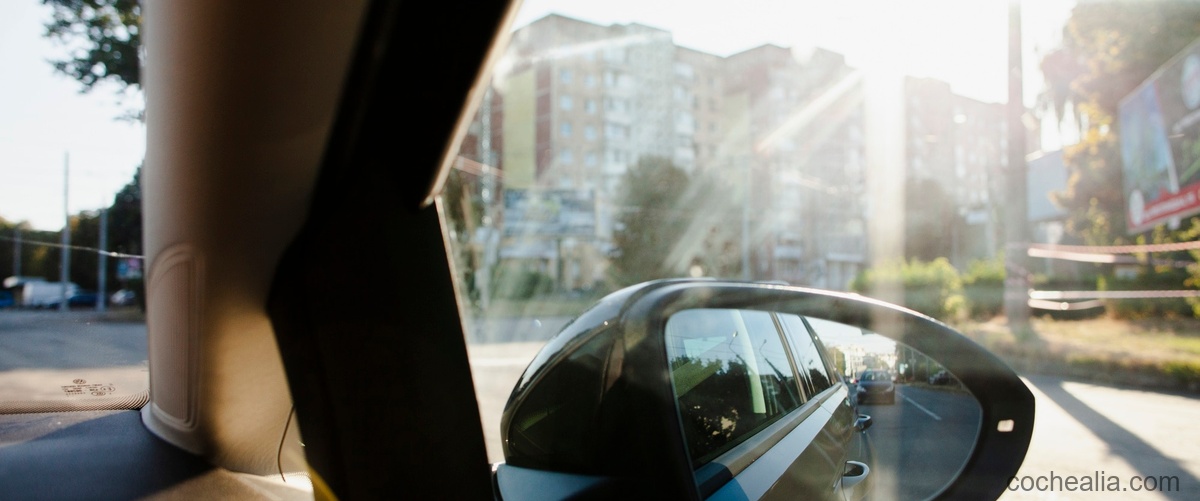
(731,376)
(815,373)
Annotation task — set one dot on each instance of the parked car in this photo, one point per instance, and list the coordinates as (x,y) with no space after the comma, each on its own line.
(6,299)
(123,297)
(77,300)
(876,386)
(43,294)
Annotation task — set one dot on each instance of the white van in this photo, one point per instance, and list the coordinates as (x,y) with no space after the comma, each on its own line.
(41,294)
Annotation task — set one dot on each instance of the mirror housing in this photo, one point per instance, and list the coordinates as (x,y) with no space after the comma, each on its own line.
(608,377)
(864,422)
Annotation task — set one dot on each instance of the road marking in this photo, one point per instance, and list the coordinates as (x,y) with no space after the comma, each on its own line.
(922,407)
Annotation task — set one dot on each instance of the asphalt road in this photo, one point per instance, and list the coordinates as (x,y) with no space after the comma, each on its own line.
(1081,429)
(921,441)
(48,355)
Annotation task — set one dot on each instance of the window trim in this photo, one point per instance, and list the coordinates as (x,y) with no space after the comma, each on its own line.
(718,471)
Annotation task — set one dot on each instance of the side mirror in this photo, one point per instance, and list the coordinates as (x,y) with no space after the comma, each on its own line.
(689,389)
(863,423)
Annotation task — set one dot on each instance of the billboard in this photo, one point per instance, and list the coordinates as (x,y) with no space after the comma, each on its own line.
(1160,144)
(549,213)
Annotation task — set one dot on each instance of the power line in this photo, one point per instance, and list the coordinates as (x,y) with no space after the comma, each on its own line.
(1159,294)
(1120,249)
(74,247)
(1088,257)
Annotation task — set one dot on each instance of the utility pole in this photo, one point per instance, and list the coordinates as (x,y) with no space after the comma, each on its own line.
(747,273)
(102,276)
(1016,287)
(483,261)
(65,276)
(17,251)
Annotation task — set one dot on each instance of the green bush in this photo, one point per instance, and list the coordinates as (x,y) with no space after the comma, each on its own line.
(1187,374)
(1147,308)
(933,288)
(983,286)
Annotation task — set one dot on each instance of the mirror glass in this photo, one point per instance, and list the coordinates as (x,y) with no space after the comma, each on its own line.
(759,389)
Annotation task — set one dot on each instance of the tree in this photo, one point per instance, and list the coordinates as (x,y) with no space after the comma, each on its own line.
(930,215)
(464,213)
(125,218)
(103,39)
(651,219)
(1109,48)
(36,260)
(103,43)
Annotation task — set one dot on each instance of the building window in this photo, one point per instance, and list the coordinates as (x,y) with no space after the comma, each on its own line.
(590,106)
(589,132)
(564,129)
(616,131)
(564,76)
(565,102)
(565,157)
(614,55)
(589,80)
(590,159)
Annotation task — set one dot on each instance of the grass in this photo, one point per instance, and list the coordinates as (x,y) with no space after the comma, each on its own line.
(1156,353)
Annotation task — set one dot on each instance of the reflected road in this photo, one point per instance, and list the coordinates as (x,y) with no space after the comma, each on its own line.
(921,441)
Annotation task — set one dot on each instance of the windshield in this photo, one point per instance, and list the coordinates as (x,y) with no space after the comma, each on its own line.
(1036,188)
(872,147)
(72,331)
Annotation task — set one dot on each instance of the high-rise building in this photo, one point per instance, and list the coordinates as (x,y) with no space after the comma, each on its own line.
(779,132)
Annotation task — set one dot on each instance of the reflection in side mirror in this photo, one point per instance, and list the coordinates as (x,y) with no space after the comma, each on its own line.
(926,432)
(747,380)
(695,389)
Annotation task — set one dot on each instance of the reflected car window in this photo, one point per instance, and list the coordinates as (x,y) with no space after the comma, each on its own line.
(731,376)
(807,355)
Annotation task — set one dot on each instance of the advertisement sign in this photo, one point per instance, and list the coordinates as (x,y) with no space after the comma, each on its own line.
(1160,144)
(129,269)
(549,213)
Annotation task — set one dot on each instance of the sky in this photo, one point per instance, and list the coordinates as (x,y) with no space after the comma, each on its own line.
(963,42)
(43,116)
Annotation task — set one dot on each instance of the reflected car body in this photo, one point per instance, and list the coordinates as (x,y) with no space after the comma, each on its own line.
(876,386)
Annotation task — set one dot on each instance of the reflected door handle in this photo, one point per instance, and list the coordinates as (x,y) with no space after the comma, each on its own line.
(854,485)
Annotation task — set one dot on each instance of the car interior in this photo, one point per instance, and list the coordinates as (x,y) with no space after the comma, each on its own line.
(305,328)
(281,138)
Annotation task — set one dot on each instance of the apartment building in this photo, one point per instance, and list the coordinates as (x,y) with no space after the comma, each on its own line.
(576,104)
